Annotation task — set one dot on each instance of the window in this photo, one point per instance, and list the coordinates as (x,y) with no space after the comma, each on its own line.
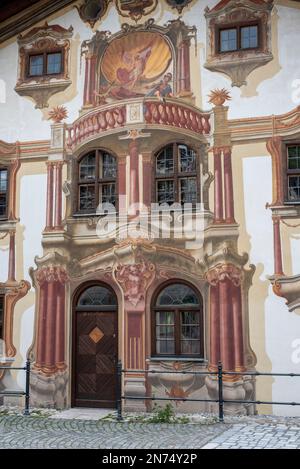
(293,172)
(239,38)
(97,296)
(96,181)
(177,322)
(176,175)
(48,63)
(3,192)
(1,315)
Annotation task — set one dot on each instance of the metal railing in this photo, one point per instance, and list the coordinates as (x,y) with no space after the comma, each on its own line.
(219,376)
(25,393)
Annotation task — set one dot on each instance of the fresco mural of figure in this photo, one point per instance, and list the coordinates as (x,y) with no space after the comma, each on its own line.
(162,89)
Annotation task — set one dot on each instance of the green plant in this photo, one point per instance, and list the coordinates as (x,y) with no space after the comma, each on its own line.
(163,414)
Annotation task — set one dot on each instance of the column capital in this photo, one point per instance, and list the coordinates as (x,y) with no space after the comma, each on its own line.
(221,272)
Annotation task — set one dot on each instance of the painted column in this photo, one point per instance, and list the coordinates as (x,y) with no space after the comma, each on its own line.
(58,195)
(226,326)
(184,68)
(122,183)
(214,327)
(60,322)
(278,268)
(49,207)
(218,187)
(228,187)
(89,80)
(134,171)
(236,295)
(147,186)
(12,257)
(50,326)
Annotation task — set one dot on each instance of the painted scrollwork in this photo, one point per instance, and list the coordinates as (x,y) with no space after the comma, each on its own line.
(220,272)
(135,279)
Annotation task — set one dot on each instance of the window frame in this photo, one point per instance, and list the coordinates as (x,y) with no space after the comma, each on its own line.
(96,184)
(290,172)
(176,176)
(238,27)
(45,54)
(2,296)
(5,216)
(177,322)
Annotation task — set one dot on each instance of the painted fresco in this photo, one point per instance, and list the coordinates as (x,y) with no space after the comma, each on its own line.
(136,65)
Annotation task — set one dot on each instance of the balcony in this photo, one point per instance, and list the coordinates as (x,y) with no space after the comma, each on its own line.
(149,113)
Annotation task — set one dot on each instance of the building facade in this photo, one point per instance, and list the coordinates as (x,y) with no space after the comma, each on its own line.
(149,200)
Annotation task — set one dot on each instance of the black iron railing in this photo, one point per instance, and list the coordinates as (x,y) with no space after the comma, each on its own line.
(219,376)
(25,393)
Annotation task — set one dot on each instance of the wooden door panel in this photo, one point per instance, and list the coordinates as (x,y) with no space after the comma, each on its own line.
(95,359)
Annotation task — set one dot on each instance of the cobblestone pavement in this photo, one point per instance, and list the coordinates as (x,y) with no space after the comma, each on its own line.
(17,431)
(40,432)
(260,434)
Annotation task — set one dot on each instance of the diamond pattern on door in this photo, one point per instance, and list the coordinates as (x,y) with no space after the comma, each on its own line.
(96,334)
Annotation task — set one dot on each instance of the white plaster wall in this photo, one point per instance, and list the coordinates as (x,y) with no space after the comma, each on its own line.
(22,121)
(282,329)
(3,262)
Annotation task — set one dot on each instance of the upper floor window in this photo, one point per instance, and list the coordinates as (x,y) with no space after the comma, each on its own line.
(239,38)
(177,322)
(48,63)
(1,315)
(176,175)
(293,172)
(97,173)
(3,192)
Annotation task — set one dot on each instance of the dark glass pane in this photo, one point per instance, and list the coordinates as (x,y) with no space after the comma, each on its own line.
(228,40)
(177,294)
(86,197)
(36,64)
(188,190)
(3,204)
(190,317)
(108,193)
(165,192)
(249,37)
(187,159)
(294,157)
(97,296)
(87,167)
(3,180)
(108,166)
(165,161)
(190,347)
(165,318)
(1,316)
(294,187)
(165,346)
(54,63)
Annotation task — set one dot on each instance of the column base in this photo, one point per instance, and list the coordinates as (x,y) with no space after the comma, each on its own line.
(241,390)
(49,391)
(135,387)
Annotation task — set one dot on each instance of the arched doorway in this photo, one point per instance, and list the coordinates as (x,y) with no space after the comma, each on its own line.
(95,347)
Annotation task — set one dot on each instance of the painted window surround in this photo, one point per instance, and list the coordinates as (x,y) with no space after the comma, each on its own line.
(40,41)
(238,64)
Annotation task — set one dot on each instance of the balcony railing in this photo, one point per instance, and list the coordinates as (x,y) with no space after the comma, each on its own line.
(150,112)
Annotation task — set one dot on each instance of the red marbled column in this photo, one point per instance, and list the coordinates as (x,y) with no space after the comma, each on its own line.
(50,326)
(214,327)
(60,327)
(278,268)
(122,183)
(49,202)
(147,170)
(228,187)
(58,196)
(226,325)
(12,257)
(134,171)
(89,80)
(184,66)
(218,188)
(237,314)
(41,328)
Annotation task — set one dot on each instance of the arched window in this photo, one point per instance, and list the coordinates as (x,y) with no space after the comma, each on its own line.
(3,192)
(97,175)
(177,328)
(97,297)
(176,175)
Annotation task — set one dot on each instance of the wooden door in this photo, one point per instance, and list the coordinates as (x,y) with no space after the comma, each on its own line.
(95,360)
